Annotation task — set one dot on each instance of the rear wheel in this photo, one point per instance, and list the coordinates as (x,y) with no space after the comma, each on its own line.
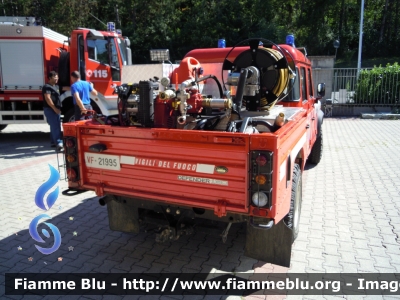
(121,216)
(69,116)
(2,127)
(275,245)
(292,219)
(316,151)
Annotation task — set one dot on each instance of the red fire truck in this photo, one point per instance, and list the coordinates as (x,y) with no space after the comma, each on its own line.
(225,138)
(28,52)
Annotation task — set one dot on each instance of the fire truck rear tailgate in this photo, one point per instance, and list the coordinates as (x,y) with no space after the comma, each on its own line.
(197,169)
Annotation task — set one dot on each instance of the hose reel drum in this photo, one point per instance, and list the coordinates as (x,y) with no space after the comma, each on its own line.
(260,74)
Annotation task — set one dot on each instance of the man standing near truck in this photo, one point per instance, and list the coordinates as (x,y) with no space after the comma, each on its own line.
(52,109)
(81,91)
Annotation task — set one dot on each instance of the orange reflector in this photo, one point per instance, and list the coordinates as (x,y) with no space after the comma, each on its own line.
(232,90)
(261,179)
(71,158)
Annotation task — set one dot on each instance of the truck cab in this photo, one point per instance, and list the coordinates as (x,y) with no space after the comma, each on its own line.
(99,56)
(29,51)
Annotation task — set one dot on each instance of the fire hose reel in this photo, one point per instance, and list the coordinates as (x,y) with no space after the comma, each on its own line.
(267,73)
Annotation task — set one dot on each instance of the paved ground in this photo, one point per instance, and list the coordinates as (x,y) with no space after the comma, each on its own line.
(350,215)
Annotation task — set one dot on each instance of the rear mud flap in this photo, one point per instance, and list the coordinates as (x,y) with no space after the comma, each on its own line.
(273,246)
(123,217)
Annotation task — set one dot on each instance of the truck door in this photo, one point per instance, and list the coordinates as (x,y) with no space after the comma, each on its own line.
(81,57)
(308,104)
(312,101)
(103,63)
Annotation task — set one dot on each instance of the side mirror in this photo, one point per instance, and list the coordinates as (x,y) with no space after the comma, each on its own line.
(321,89)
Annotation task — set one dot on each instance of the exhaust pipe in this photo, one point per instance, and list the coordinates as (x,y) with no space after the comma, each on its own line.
(103,201)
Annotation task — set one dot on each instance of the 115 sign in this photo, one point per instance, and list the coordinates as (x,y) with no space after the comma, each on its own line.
(97,73)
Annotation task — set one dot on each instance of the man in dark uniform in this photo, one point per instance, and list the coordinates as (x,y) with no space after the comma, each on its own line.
(52,109)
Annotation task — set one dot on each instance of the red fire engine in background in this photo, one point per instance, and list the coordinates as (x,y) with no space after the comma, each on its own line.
(225,137)
(28,52)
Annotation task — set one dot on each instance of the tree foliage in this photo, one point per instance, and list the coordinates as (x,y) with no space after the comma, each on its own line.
(183,25)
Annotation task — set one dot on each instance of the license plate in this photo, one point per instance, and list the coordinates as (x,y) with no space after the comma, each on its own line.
(102,161)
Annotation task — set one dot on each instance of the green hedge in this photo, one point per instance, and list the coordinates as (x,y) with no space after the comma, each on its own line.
(380,85)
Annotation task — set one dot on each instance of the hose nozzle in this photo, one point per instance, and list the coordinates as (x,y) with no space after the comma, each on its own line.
(280,120)
(181,120)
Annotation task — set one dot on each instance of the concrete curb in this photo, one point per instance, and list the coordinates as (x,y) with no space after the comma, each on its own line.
(381,116)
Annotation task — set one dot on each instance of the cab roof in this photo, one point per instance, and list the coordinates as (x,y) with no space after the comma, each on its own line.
(296,54)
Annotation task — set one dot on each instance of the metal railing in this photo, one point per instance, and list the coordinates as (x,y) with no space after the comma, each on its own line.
(345,87)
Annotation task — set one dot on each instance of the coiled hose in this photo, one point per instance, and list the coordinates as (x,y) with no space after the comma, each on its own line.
(283,76)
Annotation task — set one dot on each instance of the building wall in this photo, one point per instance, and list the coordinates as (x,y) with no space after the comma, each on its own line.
(323,72)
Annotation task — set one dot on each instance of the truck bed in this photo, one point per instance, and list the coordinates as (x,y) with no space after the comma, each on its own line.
(202,169)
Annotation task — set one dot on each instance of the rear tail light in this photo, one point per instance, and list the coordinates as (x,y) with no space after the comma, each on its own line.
(261,179)
(72,174)
(70,143)
(71,159)
(261,159)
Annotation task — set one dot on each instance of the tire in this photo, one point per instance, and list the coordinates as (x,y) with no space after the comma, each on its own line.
(64,69)
(3,127)
(275,245)
(69,116)
(95,107)
(316,151)
(292,219)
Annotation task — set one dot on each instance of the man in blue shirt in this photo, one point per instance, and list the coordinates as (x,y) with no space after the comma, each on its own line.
(81,91)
